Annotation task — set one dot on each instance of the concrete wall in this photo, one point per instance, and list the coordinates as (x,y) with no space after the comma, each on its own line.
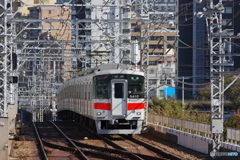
(4,138)
(192,141)
(12,112)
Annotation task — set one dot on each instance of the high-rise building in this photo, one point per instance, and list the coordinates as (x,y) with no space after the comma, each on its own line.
(194,55)
(103,35)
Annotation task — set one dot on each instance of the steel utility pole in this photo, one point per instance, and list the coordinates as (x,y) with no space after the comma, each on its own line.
(6,48)
(214,24)
(216,36)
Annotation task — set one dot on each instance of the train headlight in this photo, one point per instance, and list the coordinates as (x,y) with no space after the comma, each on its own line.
(99,113)
(138,113)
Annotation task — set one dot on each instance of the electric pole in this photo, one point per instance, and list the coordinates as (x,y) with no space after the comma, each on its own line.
(216,38)
(6,52)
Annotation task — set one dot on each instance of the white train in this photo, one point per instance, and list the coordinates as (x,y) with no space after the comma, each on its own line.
(110,100)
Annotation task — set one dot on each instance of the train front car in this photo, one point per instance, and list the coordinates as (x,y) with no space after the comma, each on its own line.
(118,101)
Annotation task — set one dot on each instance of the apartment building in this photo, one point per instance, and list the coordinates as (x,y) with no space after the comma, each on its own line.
(46,32)
(161,32)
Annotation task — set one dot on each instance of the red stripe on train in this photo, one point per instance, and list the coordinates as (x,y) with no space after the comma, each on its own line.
(133,106)
(103,106)
(130,106)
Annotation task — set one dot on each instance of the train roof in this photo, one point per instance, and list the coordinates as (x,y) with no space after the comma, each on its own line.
(110,68)
(118,71)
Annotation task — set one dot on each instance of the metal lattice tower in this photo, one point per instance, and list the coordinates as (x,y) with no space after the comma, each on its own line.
(6,50)
(145,56)
(216,76)
(216,38)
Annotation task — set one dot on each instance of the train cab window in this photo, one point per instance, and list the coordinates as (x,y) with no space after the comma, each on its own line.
(135,86)
(118,90)
(101,86)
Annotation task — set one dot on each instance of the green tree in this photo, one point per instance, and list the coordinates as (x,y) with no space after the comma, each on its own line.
(233,92)
(204,93)
(173,108)
(233,121)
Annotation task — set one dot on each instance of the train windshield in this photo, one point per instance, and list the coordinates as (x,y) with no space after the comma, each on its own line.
(102,87)
(135,86)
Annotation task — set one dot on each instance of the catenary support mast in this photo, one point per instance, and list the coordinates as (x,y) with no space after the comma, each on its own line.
(216,37)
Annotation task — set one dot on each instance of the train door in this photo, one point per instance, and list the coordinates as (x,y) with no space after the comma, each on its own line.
(119,97)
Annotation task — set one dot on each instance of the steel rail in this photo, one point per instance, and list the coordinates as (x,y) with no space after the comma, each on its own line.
(155,149)
(132,155)
(124,152)
(40,143)
(86,152)
(82,155)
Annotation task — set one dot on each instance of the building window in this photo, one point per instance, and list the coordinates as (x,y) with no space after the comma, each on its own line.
(160,8)
(170,38)
(136,38)
(158,54)
(49,12)
(155,46)
(88,33)
(152,62)
(137,29)
(152,81)
(168,81)
(171,1)
(228,10)
(171,8)
(225,21)
(162,81)
(154,38)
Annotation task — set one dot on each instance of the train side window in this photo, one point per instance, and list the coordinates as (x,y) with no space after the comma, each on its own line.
(72,91)
(81,91)
(75,91)
(89,92)
(85,91)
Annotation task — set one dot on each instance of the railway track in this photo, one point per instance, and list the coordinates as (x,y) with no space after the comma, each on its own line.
(50,136)
(137,147)
(68,139)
